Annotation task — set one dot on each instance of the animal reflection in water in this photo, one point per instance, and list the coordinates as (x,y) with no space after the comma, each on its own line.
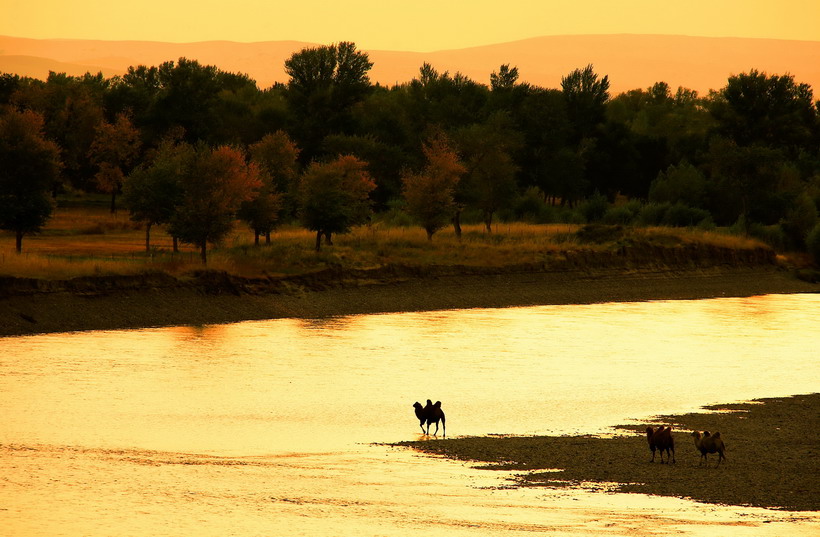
(660,439)
(709,443)
(431,413)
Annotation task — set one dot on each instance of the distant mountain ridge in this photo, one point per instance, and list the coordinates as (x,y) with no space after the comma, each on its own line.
(630,61)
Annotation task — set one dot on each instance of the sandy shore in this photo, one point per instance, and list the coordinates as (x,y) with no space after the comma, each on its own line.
(772,448)
(106,308)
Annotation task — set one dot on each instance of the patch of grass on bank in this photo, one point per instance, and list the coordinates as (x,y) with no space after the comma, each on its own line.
(83,241)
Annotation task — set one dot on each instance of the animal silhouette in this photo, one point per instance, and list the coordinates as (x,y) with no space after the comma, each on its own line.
(430,413)
(709,443)
(661,439)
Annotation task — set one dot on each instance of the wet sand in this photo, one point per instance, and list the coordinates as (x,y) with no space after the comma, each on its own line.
(157,304)
(772,449)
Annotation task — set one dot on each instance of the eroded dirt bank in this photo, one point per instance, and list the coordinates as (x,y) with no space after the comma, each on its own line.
(772,448)
(30,306)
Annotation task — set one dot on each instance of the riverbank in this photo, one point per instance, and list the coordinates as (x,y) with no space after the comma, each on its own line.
(108,303)
(771,451)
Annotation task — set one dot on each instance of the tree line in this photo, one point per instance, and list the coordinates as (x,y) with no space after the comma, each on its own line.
(194,148)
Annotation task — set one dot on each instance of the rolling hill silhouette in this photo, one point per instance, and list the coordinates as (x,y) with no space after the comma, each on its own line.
(630,61)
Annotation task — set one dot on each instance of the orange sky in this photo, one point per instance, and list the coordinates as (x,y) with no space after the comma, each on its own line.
(420,25)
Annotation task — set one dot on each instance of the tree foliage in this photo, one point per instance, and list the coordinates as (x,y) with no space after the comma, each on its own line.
(29,164)
(335,196)
(758,109)
(487,152)
(114,151)
(325,82)
(430,194)
(276,156)
(749,151)
(153,191)
(212,188)
(586,96)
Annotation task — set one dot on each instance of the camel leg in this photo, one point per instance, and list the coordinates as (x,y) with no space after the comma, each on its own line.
(435,433)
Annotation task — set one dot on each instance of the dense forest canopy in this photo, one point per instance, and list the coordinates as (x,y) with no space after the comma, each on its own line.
(746,155)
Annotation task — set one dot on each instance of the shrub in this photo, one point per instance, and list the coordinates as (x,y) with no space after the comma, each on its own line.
(530,207)
(594,208)
(680,215)
(634,206)
(652,214)
(683,183)
(800,219)
(775,236)
(618,215)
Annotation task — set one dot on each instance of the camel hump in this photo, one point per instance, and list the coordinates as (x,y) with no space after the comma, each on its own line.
(705,433)
(716,435)
(438,404)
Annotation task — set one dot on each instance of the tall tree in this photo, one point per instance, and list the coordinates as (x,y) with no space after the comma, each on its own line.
(586,96)
(212,190)
(29,164)
(277,156)
(430,194)
(153,190)
(72,110)
(745,178)
(114,151)
(335,196)
(444,101)
(487,150)
(767,110)
(505,78)
(325,82)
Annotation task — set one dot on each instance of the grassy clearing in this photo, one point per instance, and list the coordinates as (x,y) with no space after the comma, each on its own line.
(83,241)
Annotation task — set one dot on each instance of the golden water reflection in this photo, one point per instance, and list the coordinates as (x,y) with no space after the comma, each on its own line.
(267,428)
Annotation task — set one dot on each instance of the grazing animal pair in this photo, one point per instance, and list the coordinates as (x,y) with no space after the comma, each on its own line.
(661,439)
(709,443)
(431,413)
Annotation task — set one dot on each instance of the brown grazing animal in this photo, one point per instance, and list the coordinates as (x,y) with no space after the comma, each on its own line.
(431,413)
(661,439)
(709,443)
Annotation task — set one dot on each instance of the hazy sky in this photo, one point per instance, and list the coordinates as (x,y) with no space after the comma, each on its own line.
(418,25)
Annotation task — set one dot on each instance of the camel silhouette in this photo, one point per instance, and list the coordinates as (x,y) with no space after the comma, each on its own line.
(431,413)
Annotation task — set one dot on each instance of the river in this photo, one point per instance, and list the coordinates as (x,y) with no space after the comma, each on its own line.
(278,428)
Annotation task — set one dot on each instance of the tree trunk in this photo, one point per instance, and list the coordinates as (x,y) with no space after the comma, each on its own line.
(176,245)
(318,241)
(328,238)
(430,232)
(114,202)
(457,223)
(488,221)
(255,238)
(267,237)
(148,237)
(19,242)
(203,252)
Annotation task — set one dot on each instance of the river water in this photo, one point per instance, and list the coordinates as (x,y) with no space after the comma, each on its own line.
(278,427)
